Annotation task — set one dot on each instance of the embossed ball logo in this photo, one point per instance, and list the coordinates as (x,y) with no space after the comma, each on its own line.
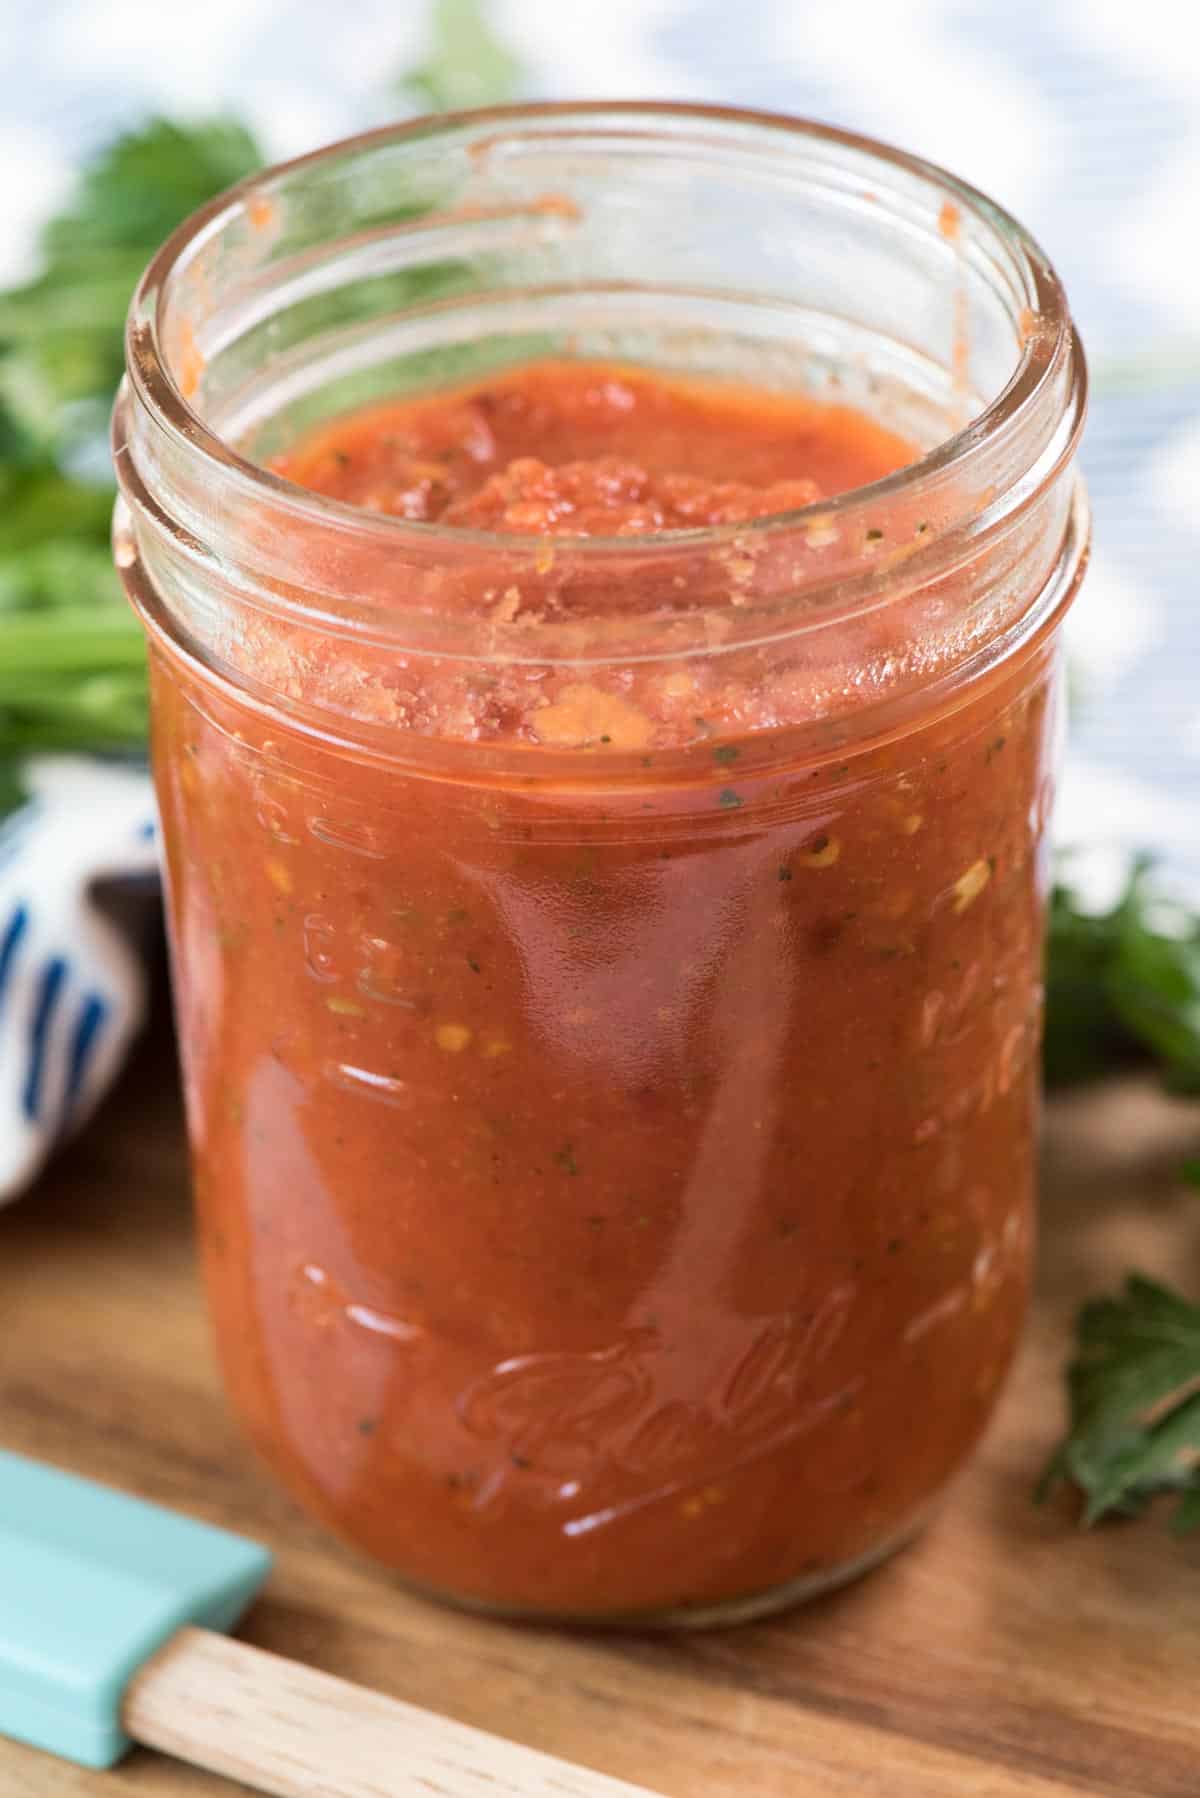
(570,1419)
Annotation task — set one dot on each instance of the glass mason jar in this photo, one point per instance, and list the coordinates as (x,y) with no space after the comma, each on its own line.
(609,969)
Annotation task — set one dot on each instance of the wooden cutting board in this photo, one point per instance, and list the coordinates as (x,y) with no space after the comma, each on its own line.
(1004,1654)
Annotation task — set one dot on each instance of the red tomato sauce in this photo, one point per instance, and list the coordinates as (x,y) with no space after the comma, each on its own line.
(586,450)
(617,1201)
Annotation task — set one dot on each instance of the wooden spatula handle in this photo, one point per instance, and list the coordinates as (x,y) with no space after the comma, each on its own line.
(284,1728)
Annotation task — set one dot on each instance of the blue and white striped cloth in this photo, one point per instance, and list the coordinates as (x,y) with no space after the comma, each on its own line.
(76,863)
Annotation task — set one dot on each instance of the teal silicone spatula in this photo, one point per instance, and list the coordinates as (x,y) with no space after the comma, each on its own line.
(110,1613)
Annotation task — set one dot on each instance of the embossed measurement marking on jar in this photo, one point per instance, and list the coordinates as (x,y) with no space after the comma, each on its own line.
(388,1089)
(379,968)
(322,1301)
(349,833)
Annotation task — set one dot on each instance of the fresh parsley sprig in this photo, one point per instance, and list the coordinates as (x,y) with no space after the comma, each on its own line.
(1123,983)
(62,331)
(72,661)
(72,665)
(1134,1393)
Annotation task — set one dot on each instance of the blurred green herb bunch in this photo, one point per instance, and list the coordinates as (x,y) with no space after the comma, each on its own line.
(72,662)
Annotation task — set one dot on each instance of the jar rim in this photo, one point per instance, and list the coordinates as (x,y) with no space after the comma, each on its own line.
(1046,336)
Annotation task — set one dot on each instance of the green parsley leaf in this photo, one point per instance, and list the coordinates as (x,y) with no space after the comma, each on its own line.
(1134,1391)
(42,509)
(466,65)
(72,658)
(1122,983)
(65,325)
(71,679)
(134,193)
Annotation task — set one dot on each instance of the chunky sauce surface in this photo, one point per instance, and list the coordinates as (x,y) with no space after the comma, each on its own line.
(585,450)
(614,1198)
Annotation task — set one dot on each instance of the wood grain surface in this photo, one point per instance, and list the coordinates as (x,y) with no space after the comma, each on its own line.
(1004,1654)
(294,1732)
